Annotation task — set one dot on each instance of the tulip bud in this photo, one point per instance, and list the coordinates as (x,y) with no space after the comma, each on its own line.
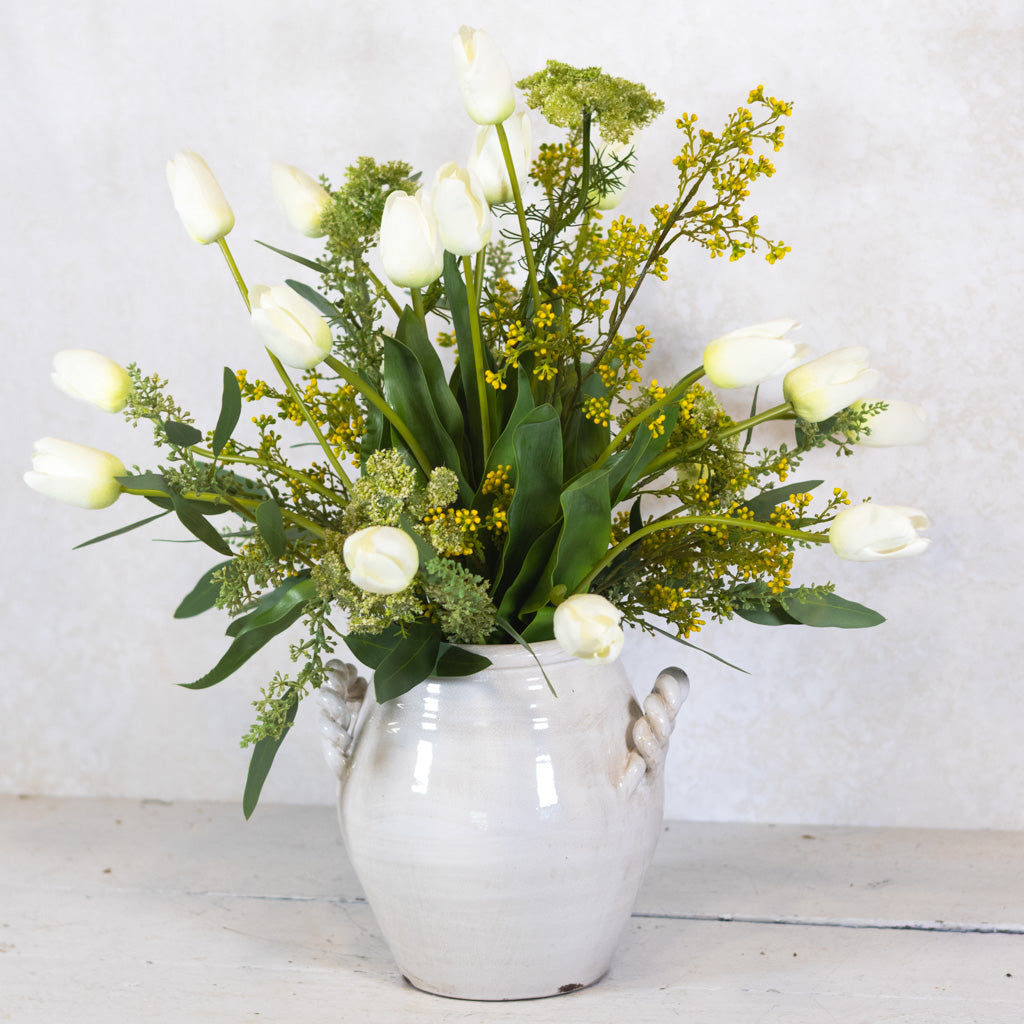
(899,423)
(487,161)
(92,377)
(410,247)
(463,216)
(73,473)
(302,199)
(825,385)
(290,326)
(484,77)
(587,626)
(870,532)
(198,198)
(381,559)
(610,154)
(752,355)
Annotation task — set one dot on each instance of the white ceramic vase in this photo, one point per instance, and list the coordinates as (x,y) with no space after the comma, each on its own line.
(501,832)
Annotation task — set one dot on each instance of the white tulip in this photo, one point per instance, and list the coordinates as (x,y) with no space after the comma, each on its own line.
(611,153)
(899,423)
(198,198)
(381,559)
(463,216)
(302,199)
(92,378)
(487,161)
(410,246)
(825,385)
(484,77)
(752,355)
(587,626)
(870,532)
(290,326)
(74,473)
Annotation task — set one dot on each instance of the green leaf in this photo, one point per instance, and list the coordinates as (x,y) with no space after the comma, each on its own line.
(521,640)
(537,478)
(763,504)
(203,596)
(312,264)
(372,648)
(830,610)
(230,410)
(413,335)
(694,647)
(409,662)
(586,528)
(123,529)
(542,626)
(314,298)
(534,572)
(271,527)
(193,520)
(263,755)
(282,601)
(503,451)
(455,290)
(182,434)
(457,661)
(406,391)
(585,440)
(243,648)
(773,615)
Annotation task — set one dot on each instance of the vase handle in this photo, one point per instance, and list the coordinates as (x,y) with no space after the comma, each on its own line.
(341,699)
(651,731)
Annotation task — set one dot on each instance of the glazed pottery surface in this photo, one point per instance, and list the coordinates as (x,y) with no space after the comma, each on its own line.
(501,832)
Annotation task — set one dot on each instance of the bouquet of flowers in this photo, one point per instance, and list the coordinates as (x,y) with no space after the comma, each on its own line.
(491,465)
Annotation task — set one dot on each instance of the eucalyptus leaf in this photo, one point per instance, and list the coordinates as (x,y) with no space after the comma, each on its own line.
(271,526)
(230,410)
(279,603)
(243,648)
(194,521)
(203,596)
(763,504)
(457,661)
(123,529)
(409,662)
(314,298)
(263,755)
(372,648)
(312,264)
(830,610)
(184,435)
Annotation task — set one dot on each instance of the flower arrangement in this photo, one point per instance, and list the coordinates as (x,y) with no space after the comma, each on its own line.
(540,488)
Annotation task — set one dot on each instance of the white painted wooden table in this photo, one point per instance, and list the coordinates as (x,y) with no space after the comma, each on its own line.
(120,911)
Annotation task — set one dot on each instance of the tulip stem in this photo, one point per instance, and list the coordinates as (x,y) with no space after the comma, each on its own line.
(277,467)
(389,414)
(417,306)
(292,390)
(774,413)
(478,356)
(238,504)
(673,395)
(729,521)
(531,265)
(235,272)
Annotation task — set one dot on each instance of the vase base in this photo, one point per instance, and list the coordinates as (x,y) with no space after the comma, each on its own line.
(522,993)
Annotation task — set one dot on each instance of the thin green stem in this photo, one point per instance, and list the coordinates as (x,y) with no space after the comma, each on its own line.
(234,502)
(277,467)
(383,289)
(292,390)
(524,230)
(673,395)
(774,413)
(389,414)
(739,524)
(478,356)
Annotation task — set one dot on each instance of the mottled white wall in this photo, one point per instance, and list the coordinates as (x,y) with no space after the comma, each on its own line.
(899,191)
